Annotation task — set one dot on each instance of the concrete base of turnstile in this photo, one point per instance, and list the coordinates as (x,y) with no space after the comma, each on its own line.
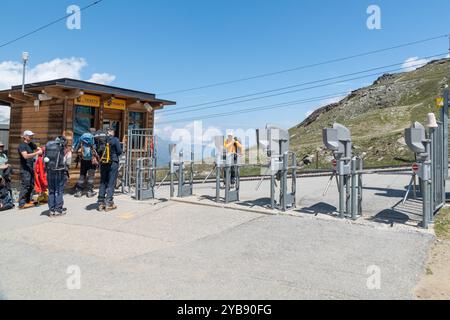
(143,195)
(186,191)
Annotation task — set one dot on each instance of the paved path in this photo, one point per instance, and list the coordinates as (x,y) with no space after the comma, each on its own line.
(169,250)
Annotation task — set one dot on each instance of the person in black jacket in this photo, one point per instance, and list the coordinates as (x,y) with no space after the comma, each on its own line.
(58,157)
(27,152)
(109,170)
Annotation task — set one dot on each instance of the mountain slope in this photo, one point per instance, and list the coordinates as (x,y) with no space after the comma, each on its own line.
(377,115)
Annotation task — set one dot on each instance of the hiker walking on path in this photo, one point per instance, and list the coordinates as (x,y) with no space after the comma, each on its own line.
(89,163)
(109,151)
(57,162)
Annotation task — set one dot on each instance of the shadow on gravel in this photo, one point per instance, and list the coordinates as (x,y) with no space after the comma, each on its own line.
(390,216)
(211,198)
(319,208)
(46,213)
(262,202)
(92,207)
(390,193)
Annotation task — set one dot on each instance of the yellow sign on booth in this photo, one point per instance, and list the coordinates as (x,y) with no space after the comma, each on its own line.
(88,100)
(116,104)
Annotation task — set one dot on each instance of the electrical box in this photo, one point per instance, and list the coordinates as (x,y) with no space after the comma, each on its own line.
(338,139)
(330,139)
(274,140)
(414,137)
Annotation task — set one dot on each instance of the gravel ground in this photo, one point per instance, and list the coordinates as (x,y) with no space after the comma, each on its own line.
(170,250)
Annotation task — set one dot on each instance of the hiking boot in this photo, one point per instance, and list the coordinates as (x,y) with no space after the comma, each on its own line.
(101,207)
(63,212)
(52,214)
(78,194)
(110,207)
(26,206)
(91,194)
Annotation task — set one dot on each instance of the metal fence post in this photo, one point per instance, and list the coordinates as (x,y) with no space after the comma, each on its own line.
(342,193)
(444,120)
(360,185)
(217,182)
(272,191)
(354,190)
(294,178)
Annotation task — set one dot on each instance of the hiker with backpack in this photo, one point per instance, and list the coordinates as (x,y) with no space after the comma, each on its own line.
(109,151)
(57,162)
(89,163)
(27,152)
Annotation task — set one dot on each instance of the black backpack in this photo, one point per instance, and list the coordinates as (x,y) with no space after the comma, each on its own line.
(54,154)
(103,147)
(6,202)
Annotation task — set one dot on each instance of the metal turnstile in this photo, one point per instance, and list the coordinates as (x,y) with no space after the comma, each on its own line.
(178,173)
(348,171)
(282,164)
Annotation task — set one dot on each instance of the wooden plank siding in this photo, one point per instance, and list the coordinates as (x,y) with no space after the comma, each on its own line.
(46,123)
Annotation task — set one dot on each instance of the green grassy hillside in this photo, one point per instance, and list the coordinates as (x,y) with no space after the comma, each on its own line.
(377,116)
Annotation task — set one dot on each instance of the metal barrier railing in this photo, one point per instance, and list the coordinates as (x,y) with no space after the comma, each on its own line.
(145,179)
(140,151)
(431,149)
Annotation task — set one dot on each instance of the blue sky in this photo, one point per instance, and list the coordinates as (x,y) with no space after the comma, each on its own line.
(165,45)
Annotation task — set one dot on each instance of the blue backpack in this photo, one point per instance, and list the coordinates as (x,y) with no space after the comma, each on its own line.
(87,143)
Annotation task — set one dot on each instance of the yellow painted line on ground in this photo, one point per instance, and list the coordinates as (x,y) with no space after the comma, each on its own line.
(127,216)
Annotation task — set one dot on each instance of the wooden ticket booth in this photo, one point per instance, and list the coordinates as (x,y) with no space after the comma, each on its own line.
(73,106)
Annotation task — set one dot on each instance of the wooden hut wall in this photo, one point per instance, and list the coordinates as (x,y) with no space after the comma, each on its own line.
(46,123)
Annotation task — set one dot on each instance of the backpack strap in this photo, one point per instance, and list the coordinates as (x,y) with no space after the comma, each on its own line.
(106,157)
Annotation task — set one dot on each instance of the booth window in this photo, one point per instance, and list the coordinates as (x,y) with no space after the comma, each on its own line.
(84,119)
(136,121)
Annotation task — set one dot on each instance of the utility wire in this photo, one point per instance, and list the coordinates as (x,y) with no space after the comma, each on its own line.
(302,89)
(173,111)
(264,75)
(267,107)
(254,109)
(47,25)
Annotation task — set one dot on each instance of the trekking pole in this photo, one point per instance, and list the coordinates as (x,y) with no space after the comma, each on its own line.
(328,184)
(409,189)
(163,180)
(260,183)
(209,174)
